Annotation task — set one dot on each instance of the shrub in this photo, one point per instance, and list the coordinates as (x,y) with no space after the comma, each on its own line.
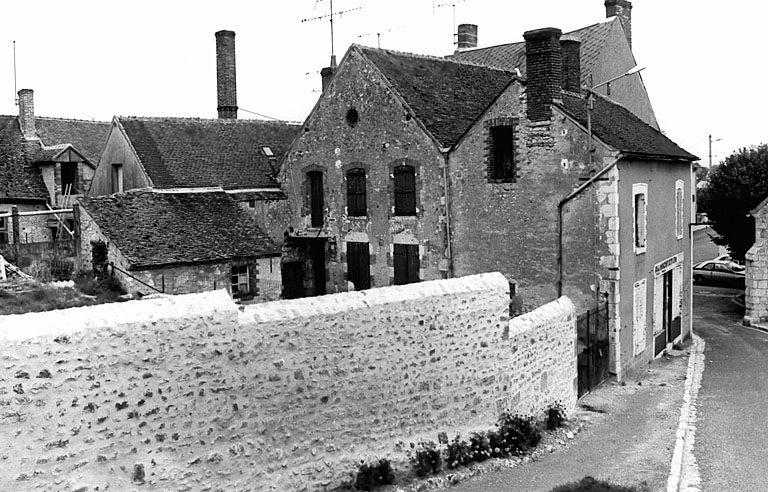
(555,416)
(497,444)
(370,476)
(589,484)
(518,433)
(480,446)
(459,453)
(425,458)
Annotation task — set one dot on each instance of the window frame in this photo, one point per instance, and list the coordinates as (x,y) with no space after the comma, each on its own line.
(236,281)
(679,208)
(502,162)
(357,199)
(639,220)
(406,263)
(404,192)
(316,198)
(71,175)
(4,229)
(117,178)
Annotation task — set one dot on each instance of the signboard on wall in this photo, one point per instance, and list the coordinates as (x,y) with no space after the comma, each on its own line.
(639,315)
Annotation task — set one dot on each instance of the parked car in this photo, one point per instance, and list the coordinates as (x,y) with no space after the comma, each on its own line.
(718,272)
(727,257)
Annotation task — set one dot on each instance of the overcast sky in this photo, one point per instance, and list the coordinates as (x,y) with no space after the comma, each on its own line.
(94,59)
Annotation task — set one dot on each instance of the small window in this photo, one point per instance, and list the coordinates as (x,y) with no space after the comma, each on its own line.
(68,178)
(639,202)
(267,151)
(359,265)
(405,190)
(679,209)
(356,199)
(352,117)
(316,202)
(240,281)
(117,178)
(406,263)
(3,230)
(252,203)
(501,165)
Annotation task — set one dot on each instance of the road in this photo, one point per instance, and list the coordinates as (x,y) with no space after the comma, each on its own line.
(732,431)
(703,247)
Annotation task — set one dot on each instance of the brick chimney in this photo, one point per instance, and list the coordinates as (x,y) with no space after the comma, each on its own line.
(27,114)
(623,10)
(327,75)
(226,78)
(467,37)
(570,49)
(544,71)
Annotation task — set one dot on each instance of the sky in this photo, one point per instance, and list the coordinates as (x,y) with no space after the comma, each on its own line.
(93,59)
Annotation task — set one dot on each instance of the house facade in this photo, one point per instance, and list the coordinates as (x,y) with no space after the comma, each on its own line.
(756,293)
(415,168)
(176,242)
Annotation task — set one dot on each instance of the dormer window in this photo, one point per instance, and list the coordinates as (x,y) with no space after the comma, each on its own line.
(267,151)
(68,178)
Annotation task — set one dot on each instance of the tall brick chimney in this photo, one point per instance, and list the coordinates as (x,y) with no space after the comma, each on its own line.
(544,71)
(623,10)
(467,37)
(570,49)
(226,77)
(27,114)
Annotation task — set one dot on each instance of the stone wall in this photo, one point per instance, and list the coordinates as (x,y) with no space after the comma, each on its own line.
(756,293)
(189,393)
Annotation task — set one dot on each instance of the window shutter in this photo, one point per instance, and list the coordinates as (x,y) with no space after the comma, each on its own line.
(356,193)
(405,190)
(401,264)
(413,263)
(316,197)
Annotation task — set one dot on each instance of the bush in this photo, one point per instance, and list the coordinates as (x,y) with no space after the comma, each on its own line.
(425,458)
(370,476)
(589,484)
(555,416)
(518,433)
(459,453)
(480,446)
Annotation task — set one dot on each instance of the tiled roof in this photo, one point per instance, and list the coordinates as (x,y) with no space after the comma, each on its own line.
(512,55)
(621,129)
(445,95)
(87,137)
(190,152)
(19,179)
(154,229)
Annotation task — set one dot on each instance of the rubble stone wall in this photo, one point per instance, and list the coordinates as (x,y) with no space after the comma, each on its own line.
(190,393)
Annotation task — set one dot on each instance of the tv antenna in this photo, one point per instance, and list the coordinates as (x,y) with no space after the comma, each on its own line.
(453,7)
(378,35)
(330,17)
(15,91)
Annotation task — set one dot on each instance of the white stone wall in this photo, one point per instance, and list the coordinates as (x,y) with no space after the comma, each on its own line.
(756,294)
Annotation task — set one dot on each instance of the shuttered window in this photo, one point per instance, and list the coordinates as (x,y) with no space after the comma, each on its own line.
(405,190)
(406,263)
(358,265)
(502,158)
(316,197)
(356,200)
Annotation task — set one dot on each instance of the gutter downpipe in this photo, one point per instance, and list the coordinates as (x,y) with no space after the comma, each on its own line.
(560,206)
(446,196)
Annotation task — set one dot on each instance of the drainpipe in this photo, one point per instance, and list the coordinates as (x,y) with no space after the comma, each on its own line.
(447,206)
(560,206)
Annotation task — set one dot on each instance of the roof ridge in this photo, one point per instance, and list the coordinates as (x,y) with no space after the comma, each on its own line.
(55,118)
(437,58)
(190,119)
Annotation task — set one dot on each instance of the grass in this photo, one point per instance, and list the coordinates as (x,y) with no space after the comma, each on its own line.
(33,297)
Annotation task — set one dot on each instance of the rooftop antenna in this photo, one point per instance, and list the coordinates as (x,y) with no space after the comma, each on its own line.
(378,35)
(453,7)
(15,92)
(330,17)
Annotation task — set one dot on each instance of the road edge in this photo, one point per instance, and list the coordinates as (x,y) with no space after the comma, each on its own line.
(684,472)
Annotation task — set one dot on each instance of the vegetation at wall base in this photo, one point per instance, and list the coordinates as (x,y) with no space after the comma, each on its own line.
(589,484)
(426,458)
(374,474)
(555,416)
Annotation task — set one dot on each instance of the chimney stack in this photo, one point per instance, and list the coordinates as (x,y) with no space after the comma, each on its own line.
(226,78)
(467,37)
(544,71)
(623,10)
(27,114)
(570,49)
(327,75)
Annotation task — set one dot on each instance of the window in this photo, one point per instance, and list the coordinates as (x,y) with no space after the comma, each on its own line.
(639,203)
(679,209)
(3,230)
(406,263)
(501,165)
(356,204)
(117,178)
(316,197)
(358,265)
(239,281)
(405,190)
(68,177)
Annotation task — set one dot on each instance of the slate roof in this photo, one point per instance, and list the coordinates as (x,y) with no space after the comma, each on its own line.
(154,229)
(87,137)
(512,55)
(193,153)
(621,129)
(19,179)
(446,96)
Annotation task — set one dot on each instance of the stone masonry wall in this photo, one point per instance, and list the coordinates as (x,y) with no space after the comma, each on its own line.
(756,294)
(188,393)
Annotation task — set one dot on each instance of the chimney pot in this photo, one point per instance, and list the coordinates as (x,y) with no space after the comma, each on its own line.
(544,71)
(570,49)
(27,114)
(466,37)
(226,76)
(623,10)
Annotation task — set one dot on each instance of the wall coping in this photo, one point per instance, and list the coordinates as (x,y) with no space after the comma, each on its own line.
(542,315)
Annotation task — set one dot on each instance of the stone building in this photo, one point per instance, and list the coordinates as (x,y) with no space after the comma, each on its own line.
(176,242)
(756,294)
(415,168)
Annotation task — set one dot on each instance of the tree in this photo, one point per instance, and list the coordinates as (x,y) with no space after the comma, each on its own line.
(736,186)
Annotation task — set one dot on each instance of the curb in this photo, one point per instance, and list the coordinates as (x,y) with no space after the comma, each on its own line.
(684,472)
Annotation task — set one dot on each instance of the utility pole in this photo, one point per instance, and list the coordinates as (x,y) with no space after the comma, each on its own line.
(710,148)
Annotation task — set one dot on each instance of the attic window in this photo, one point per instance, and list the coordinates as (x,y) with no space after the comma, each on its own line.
(267,151)
(352,117)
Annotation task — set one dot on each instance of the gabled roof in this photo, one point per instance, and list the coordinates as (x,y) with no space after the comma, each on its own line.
(87,137)
(621,129)
(153,229)
(512,55)
(193,153)
(445,95)
(19,179)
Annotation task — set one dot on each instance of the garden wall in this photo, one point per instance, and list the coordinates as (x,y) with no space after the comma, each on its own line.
(189,393)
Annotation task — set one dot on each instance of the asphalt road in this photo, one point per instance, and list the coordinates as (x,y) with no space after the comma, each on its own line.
(731,443)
